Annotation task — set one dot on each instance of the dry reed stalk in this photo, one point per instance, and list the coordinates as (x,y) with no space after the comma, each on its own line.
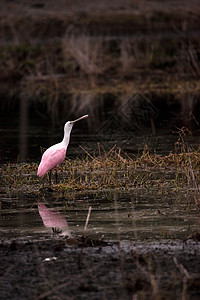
(86,53)
(185,275)
(87,219)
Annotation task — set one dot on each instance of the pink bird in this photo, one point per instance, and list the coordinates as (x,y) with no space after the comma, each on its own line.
(55,155)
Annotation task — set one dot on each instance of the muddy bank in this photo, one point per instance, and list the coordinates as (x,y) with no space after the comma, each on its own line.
(56,62)
(50,269)
(138,246)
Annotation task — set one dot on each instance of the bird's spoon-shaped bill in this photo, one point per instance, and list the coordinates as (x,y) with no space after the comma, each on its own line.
(83,117)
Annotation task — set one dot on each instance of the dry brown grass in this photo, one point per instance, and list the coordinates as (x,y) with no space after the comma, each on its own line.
(86,53)
(116,170)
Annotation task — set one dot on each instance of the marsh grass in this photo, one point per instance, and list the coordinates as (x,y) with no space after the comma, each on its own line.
(80,63)
(173,173)
(47,54)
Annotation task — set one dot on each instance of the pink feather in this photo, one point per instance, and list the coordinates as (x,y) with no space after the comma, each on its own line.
(55,155)
(50,159)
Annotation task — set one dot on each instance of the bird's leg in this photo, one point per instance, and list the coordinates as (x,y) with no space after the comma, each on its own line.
(56,175)
(50,177)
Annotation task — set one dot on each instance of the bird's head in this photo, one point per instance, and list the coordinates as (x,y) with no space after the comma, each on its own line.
(69,124)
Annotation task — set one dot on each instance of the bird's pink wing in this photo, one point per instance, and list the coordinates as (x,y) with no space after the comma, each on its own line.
(50,159)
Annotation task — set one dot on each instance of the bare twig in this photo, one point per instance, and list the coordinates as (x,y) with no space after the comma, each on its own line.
(87,219)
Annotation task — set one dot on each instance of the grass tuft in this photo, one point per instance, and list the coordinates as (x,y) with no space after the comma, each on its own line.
(175,172)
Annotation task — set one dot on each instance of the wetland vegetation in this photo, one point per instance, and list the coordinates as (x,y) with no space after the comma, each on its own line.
(71,58)
(128,192)
(176,172)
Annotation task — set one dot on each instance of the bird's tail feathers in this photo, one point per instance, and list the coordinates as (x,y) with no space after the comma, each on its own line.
(41,171)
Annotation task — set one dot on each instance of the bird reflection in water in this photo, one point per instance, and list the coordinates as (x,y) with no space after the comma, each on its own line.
(53,219)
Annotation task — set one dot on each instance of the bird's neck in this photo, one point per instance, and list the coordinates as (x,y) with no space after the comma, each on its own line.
(65,141)
(66,138)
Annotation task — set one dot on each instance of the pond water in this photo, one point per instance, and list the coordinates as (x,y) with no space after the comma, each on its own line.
(130,126)
(114,215)
(129,215)
(25,146)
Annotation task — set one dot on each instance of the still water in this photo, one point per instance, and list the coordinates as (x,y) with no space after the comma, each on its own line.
(128,215)
(115,215)
(26,145)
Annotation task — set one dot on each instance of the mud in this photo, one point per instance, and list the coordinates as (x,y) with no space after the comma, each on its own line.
(52,269)
(136,246)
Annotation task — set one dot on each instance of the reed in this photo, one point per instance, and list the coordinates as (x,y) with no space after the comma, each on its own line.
(114,169)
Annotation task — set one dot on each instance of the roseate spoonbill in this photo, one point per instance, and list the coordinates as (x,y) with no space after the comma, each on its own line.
(55,155)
